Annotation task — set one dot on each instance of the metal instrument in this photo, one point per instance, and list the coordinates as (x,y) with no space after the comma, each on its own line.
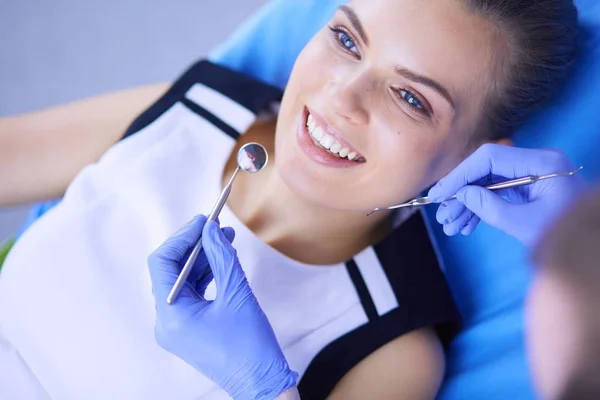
(527,180)
(252,158)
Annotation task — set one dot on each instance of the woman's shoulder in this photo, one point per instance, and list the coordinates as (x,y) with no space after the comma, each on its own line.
(410,366)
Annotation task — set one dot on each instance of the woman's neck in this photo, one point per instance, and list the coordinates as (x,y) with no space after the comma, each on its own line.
(302,231)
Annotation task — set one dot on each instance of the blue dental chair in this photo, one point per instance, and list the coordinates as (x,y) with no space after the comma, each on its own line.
(488,272)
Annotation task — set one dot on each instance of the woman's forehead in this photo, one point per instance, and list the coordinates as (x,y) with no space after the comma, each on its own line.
(439,39)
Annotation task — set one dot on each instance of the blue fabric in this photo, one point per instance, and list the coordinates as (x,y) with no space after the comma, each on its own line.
(37,211)
(488,271)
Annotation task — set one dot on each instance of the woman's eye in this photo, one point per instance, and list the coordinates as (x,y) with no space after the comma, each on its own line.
(412,100)
(345,40)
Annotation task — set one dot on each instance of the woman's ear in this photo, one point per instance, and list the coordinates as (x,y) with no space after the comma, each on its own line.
(479,143)
(505,142)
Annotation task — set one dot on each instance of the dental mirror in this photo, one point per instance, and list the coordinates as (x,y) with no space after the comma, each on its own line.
(252,158)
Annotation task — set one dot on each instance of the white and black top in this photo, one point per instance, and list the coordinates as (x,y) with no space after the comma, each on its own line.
(76,309)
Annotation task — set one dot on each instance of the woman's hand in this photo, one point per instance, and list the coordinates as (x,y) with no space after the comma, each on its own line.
(523,212)
(228,339)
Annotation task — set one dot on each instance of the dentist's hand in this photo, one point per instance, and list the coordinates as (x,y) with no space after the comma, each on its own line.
(228,339)
(522,212)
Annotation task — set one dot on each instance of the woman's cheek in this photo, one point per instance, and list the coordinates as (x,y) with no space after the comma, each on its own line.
(445,158)
(418,161)
(404,172)
(435,156)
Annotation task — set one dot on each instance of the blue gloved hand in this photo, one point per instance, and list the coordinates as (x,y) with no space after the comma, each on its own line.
(522,212)
(228,339)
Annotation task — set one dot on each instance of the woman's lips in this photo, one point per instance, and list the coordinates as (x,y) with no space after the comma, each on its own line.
(318,153)
(329,138)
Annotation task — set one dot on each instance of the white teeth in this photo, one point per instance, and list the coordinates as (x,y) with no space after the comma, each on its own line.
(310,123)
(335,148)
(326,141)
(317,133)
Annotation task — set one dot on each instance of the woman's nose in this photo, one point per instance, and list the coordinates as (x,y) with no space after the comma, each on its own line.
(350,99)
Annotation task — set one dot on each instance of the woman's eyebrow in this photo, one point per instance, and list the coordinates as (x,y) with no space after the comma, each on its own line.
(427,82)
(355,23)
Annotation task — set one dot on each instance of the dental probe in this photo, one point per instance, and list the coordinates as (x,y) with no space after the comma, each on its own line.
(528,180)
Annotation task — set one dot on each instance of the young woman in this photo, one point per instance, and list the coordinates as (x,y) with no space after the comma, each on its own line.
(386,99)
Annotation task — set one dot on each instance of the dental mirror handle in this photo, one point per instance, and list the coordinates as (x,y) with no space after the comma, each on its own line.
(189,264)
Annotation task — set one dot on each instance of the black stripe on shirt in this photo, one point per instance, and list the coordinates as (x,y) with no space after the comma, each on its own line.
(217,122)
(424,300)
(332,363)
(413,270)
(239,87)
(362,290)
(254,95)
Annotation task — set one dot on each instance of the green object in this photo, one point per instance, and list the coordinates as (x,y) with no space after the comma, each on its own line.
(5,248)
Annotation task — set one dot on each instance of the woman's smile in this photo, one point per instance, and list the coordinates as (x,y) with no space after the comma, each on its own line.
(324,144)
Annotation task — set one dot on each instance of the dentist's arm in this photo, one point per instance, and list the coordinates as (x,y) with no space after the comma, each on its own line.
(41,152)
(522,212)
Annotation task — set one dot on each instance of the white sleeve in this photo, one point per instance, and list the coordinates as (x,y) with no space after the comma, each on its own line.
(16,380)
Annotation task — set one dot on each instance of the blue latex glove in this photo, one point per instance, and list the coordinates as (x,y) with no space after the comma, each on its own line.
(228,339)
(522,212)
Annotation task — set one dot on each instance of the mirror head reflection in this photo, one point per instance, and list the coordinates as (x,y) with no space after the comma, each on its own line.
(252,157)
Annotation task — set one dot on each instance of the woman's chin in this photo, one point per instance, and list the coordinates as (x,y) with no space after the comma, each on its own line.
(314,191)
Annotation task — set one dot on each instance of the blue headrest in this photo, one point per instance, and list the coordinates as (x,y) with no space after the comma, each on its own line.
(488,272)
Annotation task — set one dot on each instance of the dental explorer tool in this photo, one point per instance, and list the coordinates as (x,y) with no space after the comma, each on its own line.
(527,180)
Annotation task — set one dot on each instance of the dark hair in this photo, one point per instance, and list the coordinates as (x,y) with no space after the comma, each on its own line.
(571,246)
(541,45)
(571,251)
(585,385)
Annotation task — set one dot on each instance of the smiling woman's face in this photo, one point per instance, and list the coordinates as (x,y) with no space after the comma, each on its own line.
(395,85)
